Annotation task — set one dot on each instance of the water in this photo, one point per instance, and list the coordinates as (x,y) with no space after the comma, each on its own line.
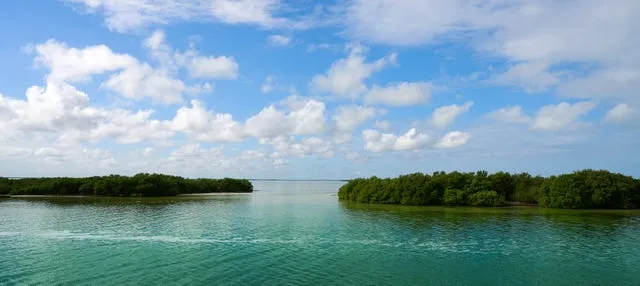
(297,233)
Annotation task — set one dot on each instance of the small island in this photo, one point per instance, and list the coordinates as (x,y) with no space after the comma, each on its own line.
(585,189)
(140,185)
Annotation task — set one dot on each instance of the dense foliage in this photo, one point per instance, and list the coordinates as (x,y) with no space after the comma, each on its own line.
(140,185)
(581,189)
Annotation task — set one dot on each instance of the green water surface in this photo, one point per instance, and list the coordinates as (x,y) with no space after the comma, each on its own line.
(298,233)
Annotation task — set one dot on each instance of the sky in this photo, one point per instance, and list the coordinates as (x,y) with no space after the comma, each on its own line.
(318,89)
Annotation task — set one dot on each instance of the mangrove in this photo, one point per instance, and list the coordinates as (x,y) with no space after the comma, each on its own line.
(140,185)
(585,189)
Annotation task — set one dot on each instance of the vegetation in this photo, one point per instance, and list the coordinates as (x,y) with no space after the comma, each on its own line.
(581,189)
(140,185)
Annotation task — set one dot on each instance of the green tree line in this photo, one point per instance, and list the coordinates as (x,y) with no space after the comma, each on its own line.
(580,189)
(140,185)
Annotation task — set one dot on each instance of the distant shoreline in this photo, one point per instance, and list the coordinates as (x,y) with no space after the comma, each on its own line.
(123,197)
(139,185)
(583,189)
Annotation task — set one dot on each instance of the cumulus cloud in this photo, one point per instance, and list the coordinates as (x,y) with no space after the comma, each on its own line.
(531,76)
(453,139)
(376,141)
(555,117)
(400,94)
(345,78)
(62,114)
(129,77)
(198,89)
(348,118)
(619,113)
(142,81)
(201,125)
(444,116)
(208,67)
(72,64)
(510,114)
(306,119)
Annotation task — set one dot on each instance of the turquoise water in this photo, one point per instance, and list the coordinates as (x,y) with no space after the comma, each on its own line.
(297,233)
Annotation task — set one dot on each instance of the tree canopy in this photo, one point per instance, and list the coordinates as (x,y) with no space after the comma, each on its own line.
(580,189)
(140,185)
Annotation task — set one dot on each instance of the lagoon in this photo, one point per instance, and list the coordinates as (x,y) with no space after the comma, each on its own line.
(298,233)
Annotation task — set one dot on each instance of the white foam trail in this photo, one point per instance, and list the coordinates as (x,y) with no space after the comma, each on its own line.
(9,233)
(438,246)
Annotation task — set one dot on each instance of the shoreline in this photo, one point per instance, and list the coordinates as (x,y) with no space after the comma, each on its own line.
(121,197)
(213,194)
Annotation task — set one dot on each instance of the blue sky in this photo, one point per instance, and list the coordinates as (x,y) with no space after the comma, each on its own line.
(318,89)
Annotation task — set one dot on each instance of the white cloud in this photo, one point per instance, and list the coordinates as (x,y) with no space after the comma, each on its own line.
(285,146)
(125,16)
(619,113)
(614,84)
(61,114)
(310,119)
(453,139)
(159,48)
(201,125)
(380,142)
(347,118)
(130,128)
(411,140)
(142,81)
(445,115)
(306,117)
(541,40)
(268,85)
(403,22)
(192,159)
(129,77)
(72,65)
(400,94)
(531,76)
(510,114)
(574,30)
(345,77)
(269,122)
(210,67)
(71,155)
(555,117)
(248,12)
(198,89)
(278,40)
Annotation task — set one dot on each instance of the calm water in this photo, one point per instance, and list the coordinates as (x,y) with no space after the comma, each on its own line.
(296,233)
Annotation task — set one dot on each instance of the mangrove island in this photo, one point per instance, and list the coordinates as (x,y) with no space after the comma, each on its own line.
(581,189)
(140,185)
